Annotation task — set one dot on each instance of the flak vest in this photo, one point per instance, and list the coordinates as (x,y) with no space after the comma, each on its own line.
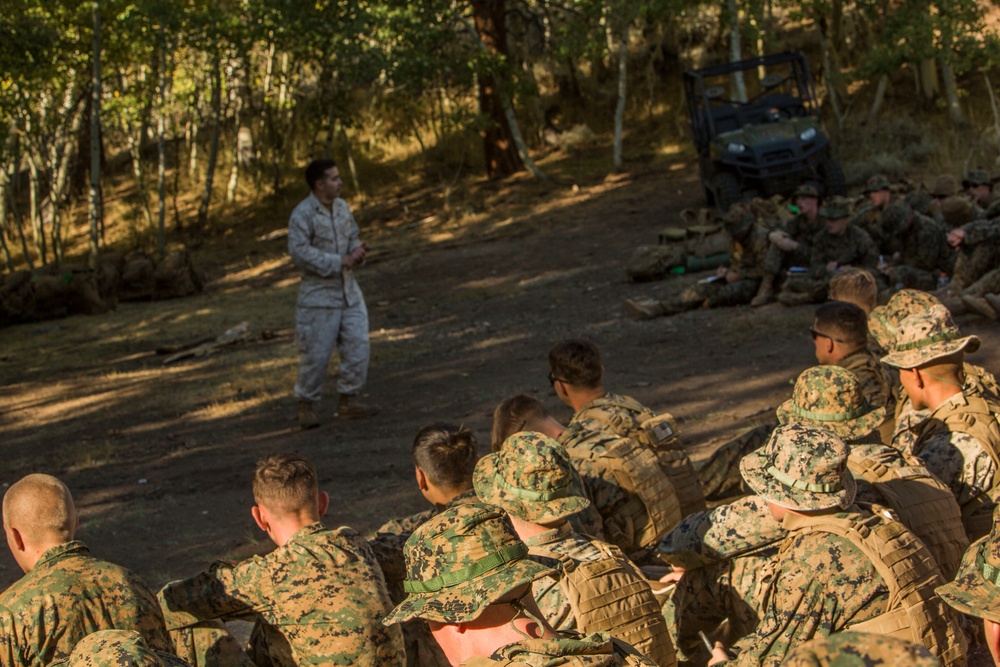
(913,612)
(613,596)
(659,434)
(978,418)
(652,507)
(621,655)
(923,503)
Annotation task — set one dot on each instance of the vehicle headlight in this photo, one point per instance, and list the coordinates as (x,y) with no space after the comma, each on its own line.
(736,148)
(808,134)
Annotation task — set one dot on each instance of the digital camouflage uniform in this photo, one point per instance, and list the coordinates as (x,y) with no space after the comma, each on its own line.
(802,230)
(67,595)
(875,382)
(976,588)
(978,253)
(626,417)
(719,474)
(117,648)
(958,440)
(825,580)
(469,558)
(593,587)
(317,600)
(331,310)
(923,254)
(880,224)
(859,649)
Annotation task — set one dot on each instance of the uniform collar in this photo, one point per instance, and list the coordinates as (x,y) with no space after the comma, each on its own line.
(71,548)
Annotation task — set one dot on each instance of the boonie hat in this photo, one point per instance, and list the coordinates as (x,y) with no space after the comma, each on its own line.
(945,186)
(884,320)
(976,588)
(531,477)
(876,183)
(831,398)
(859,649)
(117,648)
(926,336)
(835,208)
(461,561)
(976,177)
(802,467)
(806,190)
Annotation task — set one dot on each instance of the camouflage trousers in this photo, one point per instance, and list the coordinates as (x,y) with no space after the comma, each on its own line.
(988,284)
(318,331)
(905,276)
(720,473)
(776,260)
(209,644)
(973,263)
(713,295)
(706,596)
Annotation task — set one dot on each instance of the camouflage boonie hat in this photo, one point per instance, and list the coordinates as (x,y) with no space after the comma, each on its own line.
(884,320)
(977,177)
(927,336)
(460,562)
(976,588)
(957,210)
(830,397)
(945,186)
(805,190)
(876,183)
(835,208)
(802,467)
(531,477)
(859,649)
(117,648)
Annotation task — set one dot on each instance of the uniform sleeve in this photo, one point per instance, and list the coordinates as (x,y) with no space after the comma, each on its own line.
(222,590)
(981,231)
(353,232)
(961,462)
(867,251)
(304,254)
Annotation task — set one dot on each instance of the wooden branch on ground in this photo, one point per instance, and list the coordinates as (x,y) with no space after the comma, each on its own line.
(240,332)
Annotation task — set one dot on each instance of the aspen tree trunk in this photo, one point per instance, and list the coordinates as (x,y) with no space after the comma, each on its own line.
(161,147)
(736,51)
(213,151)
(94,198)
(622,91)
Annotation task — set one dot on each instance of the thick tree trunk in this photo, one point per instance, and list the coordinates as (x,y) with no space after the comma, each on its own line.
(951,92)
(883,83)
(502,159)
(94,198)
(736,50)
(34,210)
(213,151)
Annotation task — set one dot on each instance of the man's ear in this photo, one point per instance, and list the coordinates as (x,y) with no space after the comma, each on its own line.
(918,377)
(323,502)
(16,539)
(422,480)
(259,517)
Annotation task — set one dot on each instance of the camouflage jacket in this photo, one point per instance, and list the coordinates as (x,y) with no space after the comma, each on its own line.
(595,650)
(68,595)
(924,245)
(319,599)
(803,230)
(872,375)
(619,414)
(881,224)
(318,238)
(737,528)
(981,231)
(852,248)
(747,255)
(822,583)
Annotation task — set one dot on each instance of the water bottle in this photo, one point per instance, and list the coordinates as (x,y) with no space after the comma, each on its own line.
(943,280)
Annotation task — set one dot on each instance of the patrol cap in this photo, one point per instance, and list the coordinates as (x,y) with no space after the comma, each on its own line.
(117,648)
(927,336)
(460,562)
(976,588)
(977,177)
(945,186)
(876,183)
(531,477)
(859,649)
(884,320)
(957,210)
(802,467)
(831,397)
(835,208)
(806,190)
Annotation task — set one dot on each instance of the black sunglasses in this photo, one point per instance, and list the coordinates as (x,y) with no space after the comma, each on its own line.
(553,379)
(819,334)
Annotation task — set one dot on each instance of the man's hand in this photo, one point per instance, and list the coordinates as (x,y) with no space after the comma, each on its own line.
(354,258)
(832,266)
(732,276)
(719,654)
(782,240)
(955,237)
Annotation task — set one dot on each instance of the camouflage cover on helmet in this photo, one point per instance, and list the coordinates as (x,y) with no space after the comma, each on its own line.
(927,336)
(531,477)
(859,649)
(876,183)
(460,562)
(801,467)
(946,185)
(831,398)
(976,588)
(118,648)
(976,177)
(836,208)
(805,190)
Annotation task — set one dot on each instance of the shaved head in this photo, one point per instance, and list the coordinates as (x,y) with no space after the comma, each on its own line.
(41,508)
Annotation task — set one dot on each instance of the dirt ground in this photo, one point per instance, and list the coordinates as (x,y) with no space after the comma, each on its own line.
(460,319)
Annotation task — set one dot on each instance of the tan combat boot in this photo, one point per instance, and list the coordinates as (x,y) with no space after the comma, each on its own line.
(643,308)
(350,408)
(765,293)
(306,415)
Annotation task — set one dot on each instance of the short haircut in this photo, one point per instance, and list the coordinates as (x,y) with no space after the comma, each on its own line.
(512,415)
(855,286)
(447,454)
(285,483)
(316,169)
(844,321)
(578,362)
(950,366)
(41,508)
